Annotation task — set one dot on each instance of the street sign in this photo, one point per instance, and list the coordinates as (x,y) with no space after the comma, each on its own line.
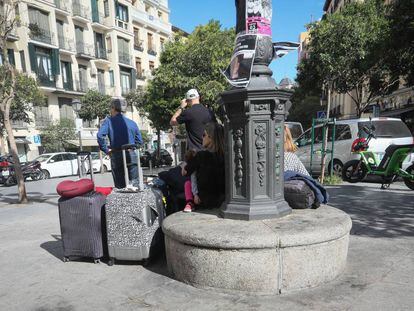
(321,115)
(78,125)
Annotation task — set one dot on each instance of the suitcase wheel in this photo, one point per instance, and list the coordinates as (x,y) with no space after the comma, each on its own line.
(111,262)
(96,260)
(66,259)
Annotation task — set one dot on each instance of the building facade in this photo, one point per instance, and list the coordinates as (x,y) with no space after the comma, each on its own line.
(399,104)
(71,46)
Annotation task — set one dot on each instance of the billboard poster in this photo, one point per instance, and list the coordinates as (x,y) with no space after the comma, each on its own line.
(258,17)
(239,72)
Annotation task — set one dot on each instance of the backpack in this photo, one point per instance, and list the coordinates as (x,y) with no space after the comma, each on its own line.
(299,195)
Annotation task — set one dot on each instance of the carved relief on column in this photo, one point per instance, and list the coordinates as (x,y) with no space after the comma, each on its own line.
(238,157)
(260,143)
(278,151)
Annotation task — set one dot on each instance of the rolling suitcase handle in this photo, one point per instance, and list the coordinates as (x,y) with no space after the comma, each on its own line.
(88,155)
(140,173)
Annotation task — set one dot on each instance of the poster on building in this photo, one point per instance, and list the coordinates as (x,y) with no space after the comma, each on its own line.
(258,17)
(239,72)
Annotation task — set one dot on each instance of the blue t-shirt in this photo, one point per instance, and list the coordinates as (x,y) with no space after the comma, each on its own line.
(120,130)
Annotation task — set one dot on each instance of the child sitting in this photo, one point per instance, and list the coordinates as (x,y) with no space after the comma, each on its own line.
(208,166)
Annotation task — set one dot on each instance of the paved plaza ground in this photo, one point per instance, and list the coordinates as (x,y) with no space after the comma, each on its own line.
(379,275)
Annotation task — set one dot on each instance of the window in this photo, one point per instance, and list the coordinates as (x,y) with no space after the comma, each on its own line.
(106,8)
(151,66)
(126,82)
(109,44)
(41,115)
(306,138)
(83,81)
(121,12)
(10,56)
(123,51)
(101,81)
(150,42)
(61,36)
(162,43)
(66,109)
(67,75)
(56,158)
(39,25)
(111,78)
(22,61)
(137,40)
(138,66)
(44,65)
(342,132)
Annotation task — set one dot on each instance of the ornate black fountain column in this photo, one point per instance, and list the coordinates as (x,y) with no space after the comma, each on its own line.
(254,121)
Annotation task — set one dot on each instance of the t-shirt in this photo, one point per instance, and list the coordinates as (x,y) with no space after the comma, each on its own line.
(195,118)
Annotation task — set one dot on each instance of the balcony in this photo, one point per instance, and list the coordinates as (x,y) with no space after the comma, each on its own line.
(12,36)
(141,74)
(81,84)
(146,19)
(122,24)
(84,50)
(63,7)
(18,124)
(100,53)
(139,45)
(46,80)
(39,34)
(66,45)
(125,58)
(80,12)
(152,50)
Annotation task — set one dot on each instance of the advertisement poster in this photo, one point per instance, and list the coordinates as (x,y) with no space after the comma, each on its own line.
(240,70)
(258,17)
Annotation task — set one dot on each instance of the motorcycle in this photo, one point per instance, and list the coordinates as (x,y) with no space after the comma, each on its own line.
(30,170)
(389,168)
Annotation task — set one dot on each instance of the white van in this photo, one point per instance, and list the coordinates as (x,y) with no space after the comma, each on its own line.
(389,131)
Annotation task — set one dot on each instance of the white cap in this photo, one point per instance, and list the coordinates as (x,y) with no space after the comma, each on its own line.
(192,94)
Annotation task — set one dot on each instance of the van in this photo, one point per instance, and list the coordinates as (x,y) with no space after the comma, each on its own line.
(295,128)
(389,131)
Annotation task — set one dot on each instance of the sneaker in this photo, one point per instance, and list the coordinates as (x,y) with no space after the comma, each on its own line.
(188,208)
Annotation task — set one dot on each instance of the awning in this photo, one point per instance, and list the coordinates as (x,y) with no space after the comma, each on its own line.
(396,112)
(22,141)
(85,142)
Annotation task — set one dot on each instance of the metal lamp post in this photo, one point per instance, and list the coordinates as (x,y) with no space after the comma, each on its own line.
(254,129)
(77,105)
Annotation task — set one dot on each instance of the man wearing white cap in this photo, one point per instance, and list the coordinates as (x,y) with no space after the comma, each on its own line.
(195,118)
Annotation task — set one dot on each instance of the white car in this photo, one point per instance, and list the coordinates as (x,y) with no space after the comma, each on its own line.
(389,131)
(58,164)
(96,163)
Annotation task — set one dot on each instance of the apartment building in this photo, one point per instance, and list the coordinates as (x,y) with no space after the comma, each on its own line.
(112,46)
(399,104)
(303,50)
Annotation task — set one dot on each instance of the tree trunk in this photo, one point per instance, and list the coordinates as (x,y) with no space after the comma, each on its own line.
(2,144)
(17,168)
(159,145)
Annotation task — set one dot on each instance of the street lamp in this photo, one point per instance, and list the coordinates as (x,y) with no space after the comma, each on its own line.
(77,105)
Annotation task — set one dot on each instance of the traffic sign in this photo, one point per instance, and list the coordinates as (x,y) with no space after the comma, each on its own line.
(321,115)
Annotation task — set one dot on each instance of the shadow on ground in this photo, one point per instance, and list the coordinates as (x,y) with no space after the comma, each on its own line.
(54,247)
(376,213)
(34,197)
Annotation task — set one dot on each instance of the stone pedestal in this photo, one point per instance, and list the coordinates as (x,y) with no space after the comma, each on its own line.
(305,249)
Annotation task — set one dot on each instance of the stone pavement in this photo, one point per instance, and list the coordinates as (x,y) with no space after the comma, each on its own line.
(379,275)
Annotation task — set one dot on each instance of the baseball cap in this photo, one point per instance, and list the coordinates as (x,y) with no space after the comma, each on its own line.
(191,94)
(119,104)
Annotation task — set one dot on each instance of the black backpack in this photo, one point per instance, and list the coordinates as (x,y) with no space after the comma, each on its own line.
(299,195)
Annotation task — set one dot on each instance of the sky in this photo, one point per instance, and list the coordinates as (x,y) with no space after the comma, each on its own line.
(289,20)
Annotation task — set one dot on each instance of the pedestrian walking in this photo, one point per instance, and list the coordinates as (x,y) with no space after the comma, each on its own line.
(195,116)
(121,131)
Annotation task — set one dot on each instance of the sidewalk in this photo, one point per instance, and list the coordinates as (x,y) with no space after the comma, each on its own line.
(379,275)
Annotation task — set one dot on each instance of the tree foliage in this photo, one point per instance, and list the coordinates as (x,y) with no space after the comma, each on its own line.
(193,62)
(304,107)
(55,137)
(94,105)
(346,50)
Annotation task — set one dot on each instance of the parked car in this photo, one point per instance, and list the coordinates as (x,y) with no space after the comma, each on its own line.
(58,164)
(96,163)
(295,128)
(389,131)
(151,155)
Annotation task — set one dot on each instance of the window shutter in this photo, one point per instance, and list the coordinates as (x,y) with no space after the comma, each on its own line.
(95,13)
(117,9)
(55,62)
(133,79)
(32,56)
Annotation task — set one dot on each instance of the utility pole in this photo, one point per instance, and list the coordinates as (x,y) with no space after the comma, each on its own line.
(325,138)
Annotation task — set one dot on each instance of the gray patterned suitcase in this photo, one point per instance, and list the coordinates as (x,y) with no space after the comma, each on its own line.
(82,223)
(133,220)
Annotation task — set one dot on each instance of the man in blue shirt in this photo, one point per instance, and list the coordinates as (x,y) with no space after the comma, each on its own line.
(121,131)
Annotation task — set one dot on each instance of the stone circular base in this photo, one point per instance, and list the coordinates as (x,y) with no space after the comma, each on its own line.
(305,249)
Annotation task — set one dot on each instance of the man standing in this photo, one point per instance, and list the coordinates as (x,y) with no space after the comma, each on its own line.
(195,118)
(121,131)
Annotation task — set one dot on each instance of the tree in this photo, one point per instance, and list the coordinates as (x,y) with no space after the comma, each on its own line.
(345,49)
(196,62)
(94,106)
(56,136)
(304,108)
(17,92)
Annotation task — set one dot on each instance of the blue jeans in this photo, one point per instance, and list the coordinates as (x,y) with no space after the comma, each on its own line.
(118,169)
